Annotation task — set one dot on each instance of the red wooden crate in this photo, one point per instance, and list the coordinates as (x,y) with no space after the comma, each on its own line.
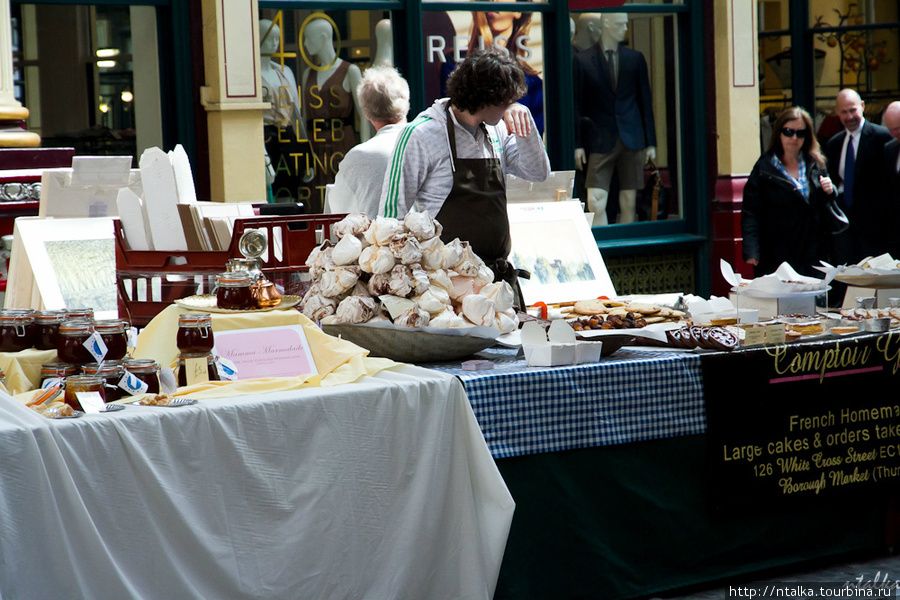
(150,280)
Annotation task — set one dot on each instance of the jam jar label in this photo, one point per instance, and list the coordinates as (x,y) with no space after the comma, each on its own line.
(96,346)
(132,384)
(227,370)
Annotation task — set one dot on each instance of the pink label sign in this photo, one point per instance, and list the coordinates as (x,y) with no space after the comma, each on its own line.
(267,351)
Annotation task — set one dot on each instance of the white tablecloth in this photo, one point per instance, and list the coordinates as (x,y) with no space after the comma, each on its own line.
(381,489)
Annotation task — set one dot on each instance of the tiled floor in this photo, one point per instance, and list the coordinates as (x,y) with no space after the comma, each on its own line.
(872,575)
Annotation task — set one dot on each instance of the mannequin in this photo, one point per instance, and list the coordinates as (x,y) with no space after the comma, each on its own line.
(384,50)
(615,128)
(330,106)
(586,23)
(284,130)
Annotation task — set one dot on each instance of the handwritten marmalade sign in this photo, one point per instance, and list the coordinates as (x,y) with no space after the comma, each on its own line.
(790,425)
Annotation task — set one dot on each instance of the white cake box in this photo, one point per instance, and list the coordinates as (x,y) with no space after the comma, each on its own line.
(556,347)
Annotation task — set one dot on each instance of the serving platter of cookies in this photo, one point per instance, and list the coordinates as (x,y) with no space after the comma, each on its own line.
(585,315)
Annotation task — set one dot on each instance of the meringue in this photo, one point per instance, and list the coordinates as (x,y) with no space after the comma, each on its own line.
(336,282)
(405,248)
(317,306)
(355,309)
(435,300)
(461,287)
(376,259)
(414,317)
(448,319)
(451,254)
(401,281)
(382,230)
(501,293)
(432,253)
(422,225)
(352,224)
(379,284)
(440,278)
(420,279)
(506,321)
(478,309)
(347,250)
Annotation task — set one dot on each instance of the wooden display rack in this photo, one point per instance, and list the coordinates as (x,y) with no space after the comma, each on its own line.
(148,281)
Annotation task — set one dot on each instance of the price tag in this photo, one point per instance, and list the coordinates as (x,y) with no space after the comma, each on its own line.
(167,382)
(91,402)
(49,382)
(96,346)
(132,338)
(775,334)
(132,384)
(196,370)
(754,336)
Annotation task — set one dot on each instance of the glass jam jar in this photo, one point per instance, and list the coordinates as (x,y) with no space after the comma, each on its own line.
(145,369)
(110,371)
(46,325)
(79,314)
(195,334)
(57,370)
(211,369)
(72,336)
(83,383)
(16,330)
(234,291)
(114,335)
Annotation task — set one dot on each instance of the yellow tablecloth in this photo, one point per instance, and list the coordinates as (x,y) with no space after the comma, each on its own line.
(23,369)
(337,360)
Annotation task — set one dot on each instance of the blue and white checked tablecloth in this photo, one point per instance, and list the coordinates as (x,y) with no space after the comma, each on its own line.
(631,396)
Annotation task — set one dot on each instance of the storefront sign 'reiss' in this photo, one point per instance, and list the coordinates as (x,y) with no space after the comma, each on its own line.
(796,424)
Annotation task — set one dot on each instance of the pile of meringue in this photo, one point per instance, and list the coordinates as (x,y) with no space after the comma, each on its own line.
(386,266)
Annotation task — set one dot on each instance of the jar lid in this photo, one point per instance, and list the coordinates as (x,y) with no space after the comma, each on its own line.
(103,369)
(234,278)
(16,316)
(194,318)
(56,367)
(76,326)
(80,312)
(186,355)
(85,379)
(52,316)
(140,364)
(110,324)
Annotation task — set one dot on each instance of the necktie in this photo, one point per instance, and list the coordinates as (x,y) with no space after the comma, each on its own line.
(611,63)
(849,167)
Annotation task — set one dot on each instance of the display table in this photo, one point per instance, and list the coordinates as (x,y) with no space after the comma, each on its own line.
(378,489)
(607,465)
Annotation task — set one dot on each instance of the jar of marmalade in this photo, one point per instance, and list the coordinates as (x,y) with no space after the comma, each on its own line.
(114,335)
(70,344)
(82,383)
(57,370)
(234,291)
(145,369)
(110,371)
(211,369)
(16,330)
(46,325)
(80,314)
(195,334)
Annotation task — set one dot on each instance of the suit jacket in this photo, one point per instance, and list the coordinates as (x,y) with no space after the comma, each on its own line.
(891,187)
(868,223)
(605,112)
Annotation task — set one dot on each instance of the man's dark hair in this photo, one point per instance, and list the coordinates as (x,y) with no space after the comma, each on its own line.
(488,77)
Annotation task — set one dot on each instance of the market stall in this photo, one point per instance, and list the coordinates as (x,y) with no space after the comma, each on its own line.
(381,488)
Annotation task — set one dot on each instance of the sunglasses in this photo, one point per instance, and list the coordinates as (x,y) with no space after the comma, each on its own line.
(790,132)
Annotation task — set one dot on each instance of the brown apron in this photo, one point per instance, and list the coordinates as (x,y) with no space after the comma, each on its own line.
(475,211)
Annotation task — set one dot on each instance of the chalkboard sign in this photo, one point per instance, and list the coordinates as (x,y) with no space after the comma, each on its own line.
(795,424)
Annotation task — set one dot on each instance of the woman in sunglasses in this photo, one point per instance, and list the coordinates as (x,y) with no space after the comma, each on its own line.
(785,199)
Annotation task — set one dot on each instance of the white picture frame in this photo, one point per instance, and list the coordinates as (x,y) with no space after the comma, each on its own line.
(71,263)
(552,240)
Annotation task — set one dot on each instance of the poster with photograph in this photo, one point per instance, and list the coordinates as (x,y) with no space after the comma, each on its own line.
(553,241)
(450,35)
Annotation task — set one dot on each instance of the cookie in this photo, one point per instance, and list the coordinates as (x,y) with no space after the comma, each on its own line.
(590,307)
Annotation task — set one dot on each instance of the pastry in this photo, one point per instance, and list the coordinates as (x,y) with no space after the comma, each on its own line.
(336,282)
(401,282)
(461,287)
(317,306)
(451,253)
(414,317)
(405,248)
(352,224)
(432,253)
(420,279)
(379,284)
(435,300)
(448,319)
(382,230)
(376,259)
(507,321)
(356,309)
(478,309)
(421,225)
(347,250)
(501,293)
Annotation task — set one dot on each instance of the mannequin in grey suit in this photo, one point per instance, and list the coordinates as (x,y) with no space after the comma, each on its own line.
(615,130)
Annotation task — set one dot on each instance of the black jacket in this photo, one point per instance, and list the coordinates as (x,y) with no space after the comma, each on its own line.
(868,222)
(778,224)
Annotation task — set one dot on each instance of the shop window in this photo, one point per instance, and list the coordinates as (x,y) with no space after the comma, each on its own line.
(449,36)
(312,61)
(622,129)
(89,76)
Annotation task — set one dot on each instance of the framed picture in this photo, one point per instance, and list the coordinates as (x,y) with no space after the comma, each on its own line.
(552,240)
(71,262)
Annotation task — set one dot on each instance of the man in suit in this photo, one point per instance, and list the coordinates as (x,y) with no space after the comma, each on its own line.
(614,129)
(891,172)
(855,158)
